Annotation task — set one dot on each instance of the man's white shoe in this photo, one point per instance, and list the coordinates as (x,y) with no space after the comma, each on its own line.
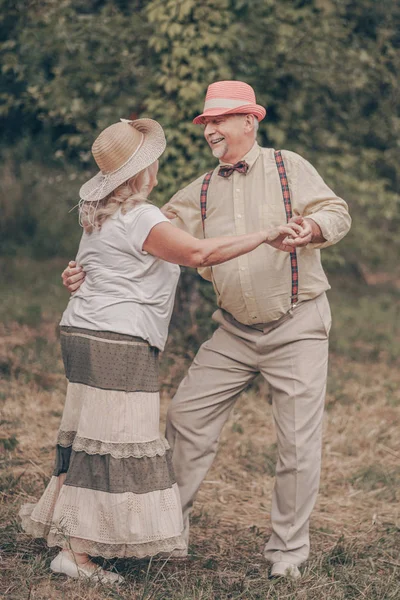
(284,569)
(62,563)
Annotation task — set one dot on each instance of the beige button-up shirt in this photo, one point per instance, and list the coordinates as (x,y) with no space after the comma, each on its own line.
(256,288)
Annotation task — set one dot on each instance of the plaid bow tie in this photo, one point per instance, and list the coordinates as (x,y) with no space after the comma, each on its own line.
(240,167)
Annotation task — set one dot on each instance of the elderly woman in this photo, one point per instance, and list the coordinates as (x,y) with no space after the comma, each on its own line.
(113,491)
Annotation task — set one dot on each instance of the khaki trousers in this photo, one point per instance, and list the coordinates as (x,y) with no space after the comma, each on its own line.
(292,355)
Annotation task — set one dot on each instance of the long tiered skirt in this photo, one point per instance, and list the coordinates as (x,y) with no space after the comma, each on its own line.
(119,497)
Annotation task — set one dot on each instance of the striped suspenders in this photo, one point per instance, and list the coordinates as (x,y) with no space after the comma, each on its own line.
(203,198)
(288,210)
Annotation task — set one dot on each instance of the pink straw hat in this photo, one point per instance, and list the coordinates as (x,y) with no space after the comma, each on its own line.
(228,98)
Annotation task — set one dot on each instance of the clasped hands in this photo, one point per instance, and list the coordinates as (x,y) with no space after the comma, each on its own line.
(296,233)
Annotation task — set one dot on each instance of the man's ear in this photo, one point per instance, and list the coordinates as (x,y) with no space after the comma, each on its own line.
(248,123)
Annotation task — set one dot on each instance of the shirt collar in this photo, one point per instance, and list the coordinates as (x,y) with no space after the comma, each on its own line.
(250,157)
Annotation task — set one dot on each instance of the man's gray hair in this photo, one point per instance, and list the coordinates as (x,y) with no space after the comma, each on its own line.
(256,126)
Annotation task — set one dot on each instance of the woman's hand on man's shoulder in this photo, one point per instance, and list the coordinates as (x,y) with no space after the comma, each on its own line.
(168,212)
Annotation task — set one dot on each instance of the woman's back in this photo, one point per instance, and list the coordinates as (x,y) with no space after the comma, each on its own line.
(126,290)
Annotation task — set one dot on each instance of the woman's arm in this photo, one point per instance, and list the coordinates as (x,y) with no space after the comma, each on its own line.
(176,246)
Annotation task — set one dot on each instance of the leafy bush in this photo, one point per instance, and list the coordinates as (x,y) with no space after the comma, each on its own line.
(325,70)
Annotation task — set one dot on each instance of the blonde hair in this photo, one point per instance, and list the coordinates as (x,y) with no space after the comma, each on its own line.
(129,194)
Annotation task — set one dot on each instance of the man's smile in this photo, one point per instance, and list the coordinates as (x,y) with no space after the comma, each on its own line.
(217,140)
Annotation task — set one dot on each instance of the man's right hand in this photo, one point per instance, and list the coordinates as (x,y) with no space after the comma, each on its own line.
(73,276)
(280,237)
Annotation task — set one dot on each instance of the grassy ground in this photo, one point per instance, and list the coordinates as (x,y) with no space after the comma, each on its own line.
(355,527)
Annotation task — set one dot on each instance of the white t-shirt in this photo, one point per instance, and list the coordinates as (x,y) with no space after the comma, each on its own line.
(126,290)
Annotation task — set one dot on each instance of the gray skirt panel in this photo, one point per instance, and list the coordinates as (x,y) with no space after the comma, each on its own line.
(109,361)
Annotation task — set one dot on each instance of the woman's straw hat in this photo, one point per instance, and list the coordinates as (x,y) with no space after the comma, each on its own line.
(121,151)
(228,98)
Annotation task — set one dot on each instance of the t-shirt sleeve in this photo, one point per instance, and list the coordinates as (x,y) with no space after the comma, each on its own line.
(140,222)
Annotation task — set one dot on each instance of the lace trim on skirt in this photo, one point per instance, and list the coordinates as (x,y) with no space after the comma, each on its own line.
(105,550)
(150,449)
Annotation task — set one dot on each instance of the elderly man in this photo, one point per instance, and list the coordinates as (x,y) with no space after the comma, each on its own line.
(273,315)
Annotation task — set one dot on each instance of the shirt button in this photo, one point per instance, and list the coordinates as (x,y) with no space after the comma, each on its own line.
(237,190)
(247,294)
(239,216)
(242,268)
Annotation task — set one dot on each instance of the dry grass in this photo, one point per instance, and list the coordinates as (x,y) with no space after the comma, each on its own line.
(355,526)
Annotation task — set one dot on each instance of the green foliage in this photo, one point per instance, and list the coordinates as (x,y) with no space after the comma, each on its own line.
(191,41)
(366,321)
(325,69)
(73,68)
(35,200)
(9,443)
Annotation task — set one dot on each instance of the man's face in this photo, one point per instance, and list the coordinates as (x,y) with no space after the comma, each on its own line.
(227,135)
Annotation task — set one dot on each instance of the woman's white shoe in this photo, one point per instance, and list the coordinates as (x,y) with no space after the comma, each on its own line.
(62,563)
